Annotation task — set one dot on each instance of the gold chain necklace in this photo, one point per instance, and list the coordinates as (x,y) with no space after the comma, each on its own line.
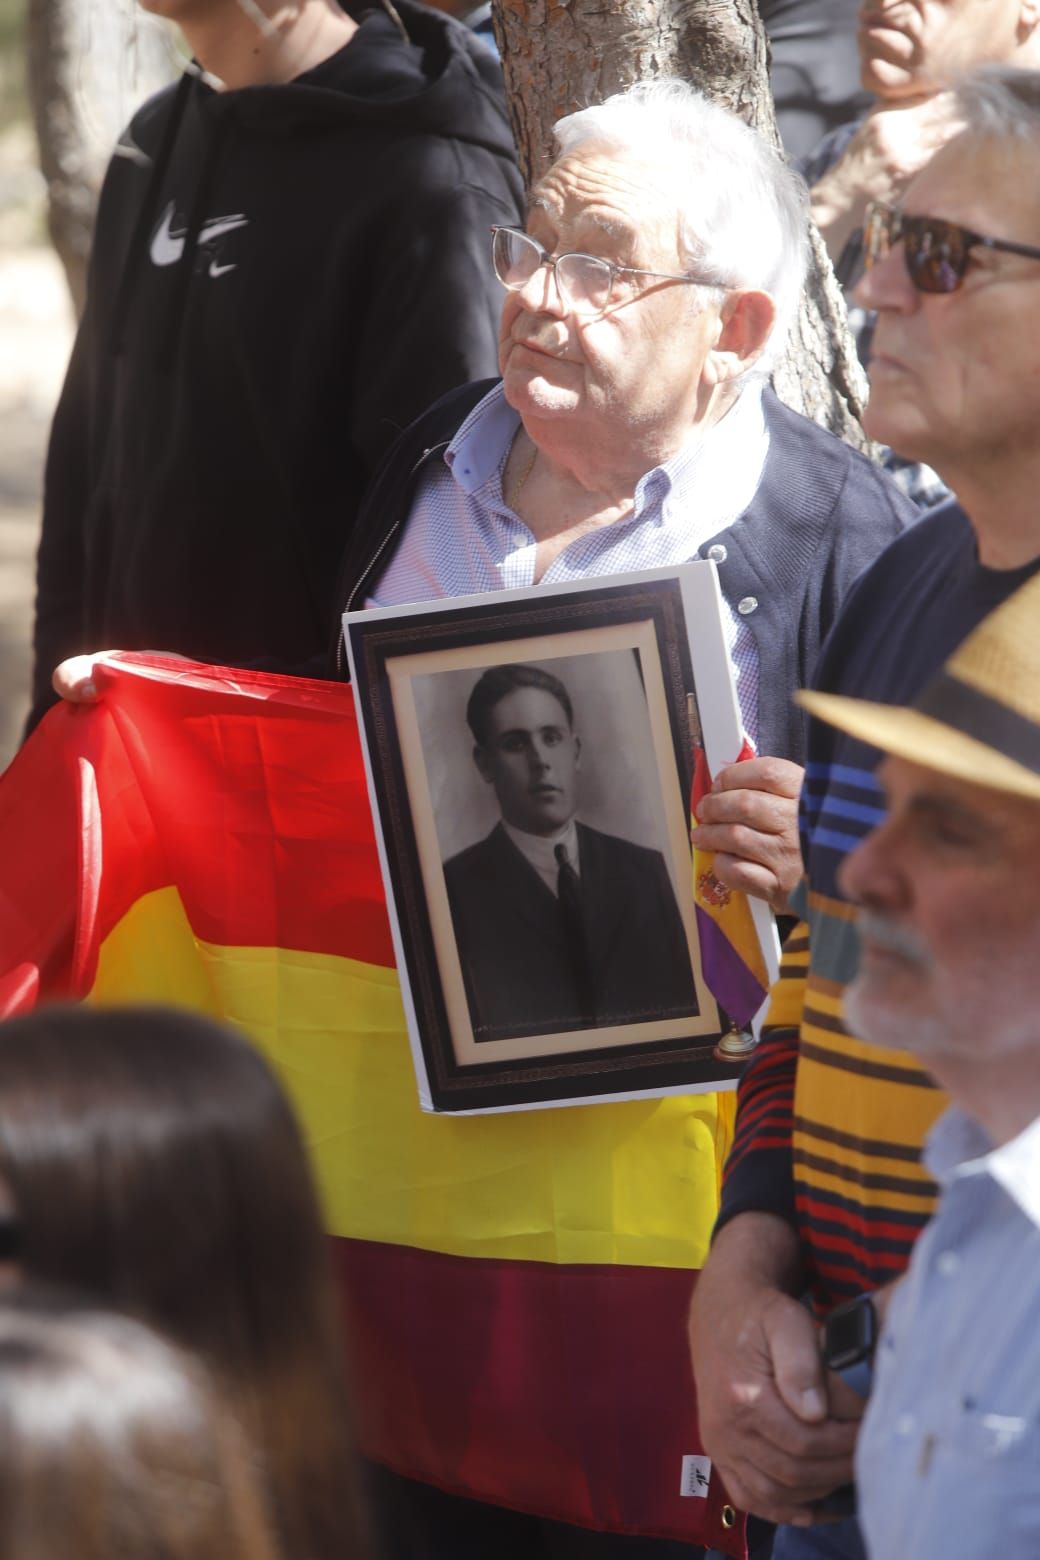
(518,486)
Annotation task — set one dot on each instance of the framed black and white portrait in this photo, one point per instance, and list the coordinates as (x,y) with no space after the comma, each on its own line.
(529,760)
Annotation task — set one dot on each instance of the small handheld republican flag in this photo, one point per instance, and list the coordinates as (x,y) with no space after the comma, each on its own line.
(731,955)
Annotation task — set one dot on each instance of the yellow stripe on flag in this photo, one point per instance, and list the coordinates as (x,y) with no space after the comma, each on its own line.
(633,1183)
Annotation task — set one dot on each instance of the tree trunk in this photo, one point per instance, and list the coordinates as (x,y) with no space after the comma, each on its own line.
(560,55)
(90,62)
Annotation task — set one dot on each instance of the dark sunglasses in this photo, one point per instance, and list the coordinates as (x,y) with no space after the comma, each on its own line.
(936,252)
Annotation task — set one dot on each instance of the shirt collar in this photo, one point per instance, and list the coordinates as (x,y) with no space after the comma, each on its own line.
(710,462)
(540,849)
(737,444)
(959,1148)
(480,446)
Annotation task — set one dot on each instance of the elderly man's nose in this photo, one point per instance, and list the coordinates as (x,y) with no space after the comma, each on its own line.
(540,293)
(870,874)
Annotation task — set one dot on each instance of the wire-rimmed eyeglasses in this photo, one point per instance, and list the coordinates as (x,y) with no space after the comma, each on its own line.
(584,282)
(936,252)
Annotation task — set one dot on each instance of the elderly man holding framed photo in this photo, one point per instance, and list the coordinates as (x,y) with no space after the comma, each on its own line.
(647,297)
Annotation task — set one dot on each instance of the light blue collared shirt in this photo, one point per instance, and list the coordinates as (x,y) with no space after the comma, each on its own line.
(948,1460)
(462,539)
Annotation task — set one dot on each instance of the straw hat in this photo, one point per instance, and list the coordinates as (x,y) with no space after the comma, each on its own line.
(979,720)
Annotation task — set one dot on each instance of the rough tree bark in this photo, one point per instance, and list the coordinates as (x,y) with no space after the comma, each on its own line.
(89,63)
(560,55)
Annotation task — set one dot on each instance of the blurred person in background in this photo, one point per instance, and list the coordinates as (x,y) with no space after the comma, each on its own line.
(290,264)
(814,69)
(911,53)
(113,1444)
(149,1159)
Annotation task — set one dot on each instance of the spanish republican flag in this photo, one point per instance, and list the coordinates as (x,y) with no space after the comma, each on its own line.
(514,1286)
(731,954)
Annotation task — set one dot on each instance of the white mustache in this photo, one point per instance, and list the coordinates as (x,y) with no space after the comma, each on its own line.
(889,934)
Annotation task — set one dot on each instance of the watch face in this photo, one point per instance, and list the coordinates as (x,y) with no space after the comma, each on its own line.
(848,1333)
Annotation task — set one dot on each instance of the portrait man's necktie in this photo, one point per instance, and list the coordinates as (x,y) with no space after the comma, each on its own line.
(568,888)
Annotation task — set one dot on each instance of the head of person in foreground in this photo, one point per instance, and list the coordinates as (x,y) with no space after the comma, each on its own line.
(948,885)
(150,1159)
(113,1443)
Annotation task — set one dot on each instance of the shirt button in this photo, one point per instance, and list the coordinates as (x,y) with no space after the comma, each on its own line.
(717,553)
(948,1263)
(746,605)
(905,1424)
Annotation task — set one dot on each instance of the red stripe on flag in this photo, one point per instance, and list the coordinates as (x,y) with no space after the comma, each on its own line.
(588,1359)
(272,803)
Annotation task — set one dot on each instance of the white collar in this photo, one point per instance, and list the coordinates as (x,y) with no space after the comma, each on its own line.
(540,849)
(959,1147)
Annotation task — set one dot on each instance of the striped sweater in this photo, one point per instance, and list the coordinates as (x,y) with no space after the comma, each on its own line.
(829,1129)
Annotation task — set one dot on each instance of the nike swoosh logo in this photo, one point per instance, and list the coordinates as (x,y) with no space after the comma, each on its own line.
(168,246)
(218,270)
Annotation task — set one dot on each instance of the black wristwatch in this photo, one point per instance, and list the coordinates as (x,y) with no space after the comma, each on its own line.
(850,1333)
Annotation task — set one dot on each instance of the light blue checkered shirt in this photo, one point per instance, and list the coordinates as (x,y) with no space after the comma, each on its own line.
(461,538)
(948,1459)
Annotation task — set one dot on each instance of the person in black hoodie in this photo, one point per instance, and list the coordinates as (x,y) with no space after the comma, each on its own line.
(291,262)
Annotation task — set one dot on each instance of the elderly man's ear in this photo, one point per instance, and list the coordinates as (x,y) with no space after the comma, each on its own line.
(745,322)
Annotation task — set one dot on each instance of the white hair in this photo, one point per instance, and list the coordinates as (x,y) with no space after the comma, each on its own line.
(1002,101)
(743,211)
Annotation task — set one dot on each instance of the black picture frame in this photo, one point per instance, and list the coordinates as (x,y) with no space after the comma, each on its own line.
(461,1064)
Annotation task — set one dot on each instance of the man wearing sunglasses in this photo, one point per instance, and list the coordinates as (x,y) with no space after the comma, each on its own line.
(825,1190)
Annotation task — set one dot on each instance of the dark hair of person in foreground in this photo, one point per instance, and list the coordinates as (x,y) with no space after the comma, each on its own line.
(153,1161)
(112,1443)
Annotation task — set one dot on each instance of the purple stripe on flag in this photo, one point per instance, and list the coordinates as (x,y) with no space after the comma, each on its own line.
(728,978)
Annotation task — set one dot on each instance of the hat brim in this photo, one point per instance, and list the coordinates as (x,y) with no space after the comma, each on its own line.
(920,739)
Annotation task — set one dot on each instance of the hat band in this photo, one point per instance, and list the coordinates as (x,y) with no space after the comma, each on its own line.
(984,719)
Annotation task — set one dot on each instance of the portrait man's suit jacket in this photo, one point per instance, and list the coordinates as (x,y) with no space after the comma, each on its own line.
(513,944)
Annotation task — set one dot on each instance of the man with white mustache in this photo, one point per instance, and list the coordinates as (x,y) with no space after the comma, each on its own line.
(948,889)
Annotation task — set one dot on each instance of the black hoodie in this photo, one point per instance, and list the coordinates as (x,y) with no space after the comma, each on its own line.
(283,277)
